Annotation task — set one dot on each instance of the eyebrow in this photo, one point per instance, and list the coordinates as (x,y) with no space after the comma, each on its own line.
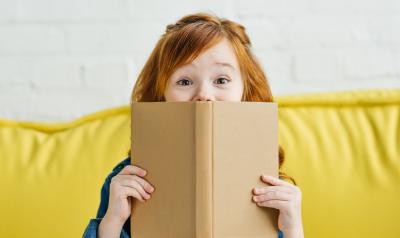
(218,63)
(225,64)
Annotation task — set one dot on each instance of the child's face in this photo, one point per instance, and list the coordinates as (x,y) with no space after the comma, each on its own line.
(213,76)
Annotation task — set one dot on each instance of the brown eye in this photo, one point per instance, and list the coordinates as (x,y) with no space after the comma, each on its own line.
(185,82)
(222,81)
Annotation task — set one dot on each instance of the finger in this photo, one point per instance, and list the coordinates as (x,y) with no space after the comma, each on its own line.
(144,183)
(277,204)
(274,195)
(128,191)
(275,181)
(262,190)
(132,169)
(132,183)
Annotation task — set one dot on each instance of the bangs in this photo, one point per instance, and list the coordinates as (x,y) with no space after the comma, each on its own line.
(187,43)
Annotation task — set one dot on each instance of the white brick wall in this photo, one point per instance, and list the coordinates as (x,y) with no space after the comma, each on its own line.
(61,59)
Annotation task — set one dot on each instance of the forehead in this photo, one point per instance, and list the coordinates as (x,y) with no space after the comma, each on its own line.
(220,54)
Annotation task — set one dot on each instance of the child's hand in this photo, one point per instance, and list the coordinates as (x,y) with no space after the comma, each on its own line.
(126,184)
(286,198)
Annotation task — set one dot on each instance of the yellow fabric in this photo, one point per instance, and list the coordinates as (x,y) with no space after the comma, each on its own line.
(51,174)
(343,149)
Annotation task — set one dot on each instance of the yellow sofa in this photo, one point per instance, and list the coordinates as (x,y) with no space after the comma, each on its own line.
(342,148)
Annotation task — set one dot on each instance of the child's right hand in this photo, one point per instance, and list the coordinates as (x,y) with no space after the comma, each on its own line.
(129,182)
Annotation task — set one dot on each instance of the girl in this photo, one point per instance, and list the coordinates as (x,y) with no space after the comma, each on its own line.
(201,57)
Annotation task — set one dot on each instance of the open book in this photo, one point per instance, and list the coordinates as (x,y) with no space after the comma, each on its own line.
(204,159)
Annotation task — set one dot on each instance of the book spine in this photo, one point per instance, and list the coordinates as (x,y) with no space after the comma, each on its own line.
(203,168)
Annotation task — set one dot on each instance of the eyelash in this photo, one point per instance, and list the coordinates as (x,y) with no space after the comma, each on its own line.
(217,79)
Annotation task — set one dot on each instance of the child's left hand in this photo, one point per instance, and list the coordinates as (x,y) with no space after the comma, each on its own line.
(286,198)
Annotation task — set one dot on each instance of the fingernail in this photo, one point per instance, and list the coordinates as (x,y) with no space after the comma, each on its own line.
(151,189)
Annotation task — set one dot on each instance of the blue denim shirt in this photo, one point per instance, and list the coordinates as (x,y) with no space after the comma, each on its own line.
(92,227)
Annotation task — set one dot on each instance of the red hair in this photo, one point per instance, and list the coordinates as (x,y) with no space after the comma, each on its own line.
(183,41)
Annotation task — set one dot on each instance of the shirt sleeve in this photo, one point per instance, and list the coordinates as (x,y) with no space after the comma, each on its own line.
(92,228)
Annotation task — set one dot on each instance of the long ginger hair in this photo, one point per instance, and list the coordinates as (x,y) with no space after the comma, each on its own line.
(183,41)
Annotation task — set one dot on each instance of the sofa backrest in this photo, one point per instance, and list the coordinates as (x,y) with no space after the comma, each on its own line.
(343,149)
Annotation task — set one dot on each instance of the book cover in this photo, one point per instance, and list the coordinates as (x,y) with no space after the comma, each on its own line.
(204,159)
